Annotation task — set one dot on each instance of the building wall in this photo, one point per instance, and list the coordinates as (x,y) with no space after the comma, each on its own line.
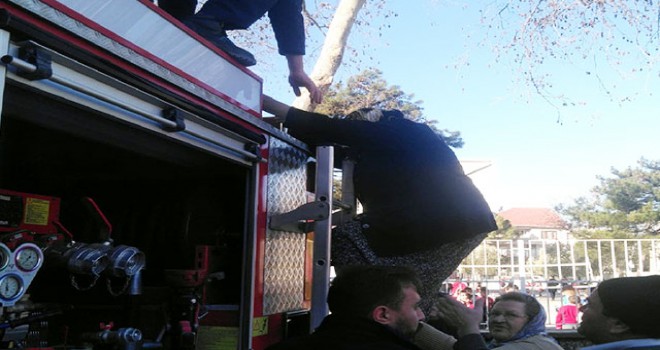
(545,233)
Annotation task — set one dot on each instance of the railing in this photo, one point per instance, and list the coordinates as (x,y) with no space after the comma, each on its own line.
(542,266)
(589,260)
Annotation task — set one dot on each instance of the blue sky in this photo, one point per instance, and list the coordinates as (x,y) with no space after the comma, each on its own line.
(433,50)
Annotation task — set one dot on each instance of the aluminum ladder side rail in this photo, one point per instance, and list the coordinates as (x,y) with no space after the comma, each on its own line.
(322,237)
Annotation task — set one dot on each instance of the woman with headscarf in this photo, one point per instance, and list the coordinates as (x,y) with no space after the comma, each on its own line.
(517,322)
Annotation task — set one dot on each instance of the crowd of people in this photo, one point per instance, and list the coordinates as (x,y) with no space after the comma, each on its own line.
(567,315)
(377,307)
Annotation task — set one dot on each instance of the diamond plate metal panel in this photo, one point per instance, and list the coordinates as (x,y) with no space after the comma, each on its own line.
(285,251)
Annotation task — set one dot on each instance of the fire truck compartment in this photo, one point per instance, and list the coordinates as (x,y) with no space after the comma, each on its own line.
(183,207)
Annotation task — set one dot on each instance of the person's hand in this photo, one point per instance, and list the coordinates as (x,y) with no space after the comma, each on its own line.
(274,121)
(298,79)
(464,319)
(275,107)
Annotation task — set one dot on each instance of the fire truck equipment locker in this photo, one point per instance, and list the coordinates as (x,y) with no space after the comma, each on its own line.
(150,180)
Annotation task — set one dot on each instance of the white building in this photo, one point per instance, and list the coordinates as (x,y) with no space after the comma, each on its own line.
(537,223)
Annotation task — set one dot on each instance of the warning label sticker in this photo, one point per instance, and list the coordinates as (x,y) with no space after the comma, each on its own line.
(37,211)
(218,338)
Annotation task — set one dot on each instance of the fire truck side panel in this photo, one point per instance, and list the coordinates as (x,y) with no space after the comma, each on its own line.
(284,251)
(166,49)
(165,179)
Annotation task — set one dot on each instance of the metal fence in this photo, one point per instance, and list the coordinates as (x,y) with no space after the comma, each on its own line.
(544,267)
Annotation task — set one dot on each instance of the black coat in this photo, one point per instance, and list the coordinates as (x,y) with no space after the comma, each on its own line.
(413,188)
(337,333)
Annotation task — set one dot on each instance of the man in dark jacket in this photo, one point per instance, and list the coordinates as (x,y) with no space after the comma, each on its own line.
(372,307)
(623,313)
(217,16)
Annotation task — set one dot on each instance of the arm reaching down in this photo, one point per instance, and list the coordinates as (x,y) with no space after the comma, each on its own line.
(298,78)
(278,109)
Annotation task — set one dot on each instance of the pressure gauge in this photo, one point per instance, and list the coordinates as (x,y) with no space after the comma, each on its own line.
(28,257)
(11,287)
(5,255)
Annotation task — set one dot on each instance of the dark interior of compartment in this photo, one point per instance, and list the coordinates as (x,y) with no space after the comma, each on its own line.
(160,197)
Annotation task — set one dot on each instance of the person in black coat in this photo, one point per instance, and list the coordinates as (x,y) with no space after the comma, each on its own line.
(420,209)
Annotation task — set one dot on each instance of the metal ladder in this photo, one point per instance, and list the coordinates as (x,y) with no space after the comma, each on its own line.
(318,217)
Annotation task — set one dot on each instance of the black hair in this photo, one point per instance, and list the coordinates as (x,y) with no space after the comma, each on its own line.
(358,290)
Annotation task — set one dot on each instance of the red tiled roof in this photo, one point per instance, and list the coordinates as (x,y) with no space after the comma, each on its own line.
(533,218)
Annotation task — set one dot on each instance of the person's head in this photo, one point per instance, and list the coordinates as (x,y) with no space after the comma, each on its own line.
(511,288)
(375,115)
(568,290)
(622,308)
(573,299)
(515,315)
(385,294)
(465,295)
(483,291)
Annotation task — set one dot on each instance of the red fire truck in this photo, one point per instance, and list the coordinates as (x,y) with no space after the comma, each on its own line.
(144,203)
